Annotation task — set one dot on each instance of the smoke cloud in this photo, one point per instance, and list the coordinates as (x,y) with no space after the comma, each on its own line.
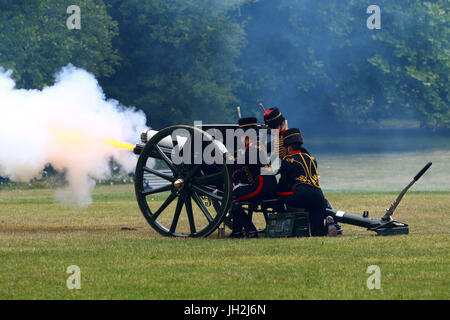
(70,125)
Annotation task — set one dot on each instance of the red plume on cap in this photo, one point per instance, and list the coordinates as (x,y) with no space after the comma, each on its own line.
(273,117)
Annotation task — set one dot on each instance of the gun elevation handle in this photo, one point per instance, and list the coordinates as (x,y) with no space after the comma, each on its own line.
(421,172)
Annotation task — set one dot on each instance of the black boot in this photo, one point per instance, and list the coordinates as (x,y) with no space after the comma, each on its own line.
(331,227)
(237,235)
(252,234)
(237,224)
(338,228)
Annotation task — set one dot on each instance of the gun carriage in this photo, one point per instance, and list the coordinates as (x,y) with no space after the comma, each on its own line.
(197,195)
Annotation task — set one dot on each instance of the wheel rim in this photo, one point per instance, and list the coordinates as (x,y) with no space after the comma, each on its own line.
(178,208)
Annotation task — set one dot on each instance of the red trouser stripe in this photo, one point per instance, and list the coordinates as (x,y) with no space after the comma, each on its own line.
(287,193)
(254,193)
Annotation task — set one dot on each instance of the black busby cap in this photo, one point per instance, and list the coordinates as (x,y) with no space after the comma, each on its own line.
(273,117)
(291,136)
(248,123)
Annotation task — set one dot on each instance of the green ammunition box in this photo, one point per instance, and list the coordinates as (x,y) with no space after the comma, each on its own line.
(288,224)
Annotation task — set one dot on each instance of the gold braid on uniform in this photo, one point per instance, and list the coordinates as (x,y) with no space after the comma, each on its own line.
(282,152)
(276,146)
(310,179)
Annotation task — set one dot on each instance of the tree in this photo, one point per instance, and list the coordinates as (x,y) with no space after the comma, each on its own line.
(35,41)
(414,57)
(318,61)
(185,60)
(179,59)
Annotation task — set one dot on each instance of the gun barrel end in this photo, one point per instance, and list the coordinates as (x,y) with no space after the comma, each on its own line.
(138,149)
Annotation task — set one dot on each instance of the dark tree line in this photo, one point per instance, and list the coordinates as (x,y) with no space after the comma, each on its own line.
(185,60)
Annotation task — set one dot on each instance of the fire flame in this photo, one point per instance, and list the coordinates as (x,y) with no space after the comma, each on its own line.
(78,138)
(119,144)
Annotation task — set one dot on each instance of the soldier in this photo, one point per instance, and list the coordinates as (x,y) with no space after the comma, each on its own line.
(299,184)
(252,185)
(275,120)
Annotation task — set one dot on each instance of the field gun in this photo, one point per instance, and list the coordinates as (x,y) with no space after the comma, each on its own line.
(209,185)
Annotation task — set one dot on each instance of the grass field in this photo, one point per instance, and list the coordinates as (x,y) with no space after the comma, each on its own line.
(40,239)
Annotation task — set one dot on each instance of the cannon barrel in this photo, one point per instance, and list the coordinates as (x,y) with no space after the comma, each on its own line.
(166,143)
(148,134)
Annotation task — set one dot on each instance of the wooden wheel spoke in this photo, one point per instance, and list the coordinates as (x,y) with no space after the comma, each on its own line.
(190,214)
(188,184)
(166,203)
(147,192)
(216,204)
(193,171)
(166,159)
(202,207)
(208,178)
(160,174)
(219,167)
(177,213)
(206,192)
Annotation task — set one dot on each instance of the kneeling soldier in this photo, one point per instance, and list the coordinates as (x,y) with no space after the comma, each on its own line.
(252,185)
(299,184)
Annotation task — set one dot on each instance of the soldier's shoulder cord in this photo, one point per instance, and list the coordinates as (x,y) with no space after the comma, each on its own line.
(303,150)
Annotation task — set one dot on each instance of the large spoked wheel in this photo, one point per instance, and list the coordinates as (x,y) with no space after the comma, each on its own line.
(174,188)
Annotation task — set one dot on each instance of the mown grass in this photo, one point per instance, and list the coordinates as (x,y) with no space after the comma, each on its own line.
(40,239)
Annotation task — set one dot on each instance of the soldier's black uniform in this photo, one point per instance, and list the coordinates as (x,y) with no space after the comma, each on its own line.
(251,184)
(299,185)
(273,118)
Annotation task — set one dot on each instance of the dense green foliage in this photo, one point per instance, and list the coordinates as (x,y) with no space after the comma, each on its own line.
(414,58)
(318,60)
(179,59)
(35,41)
(182,60)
